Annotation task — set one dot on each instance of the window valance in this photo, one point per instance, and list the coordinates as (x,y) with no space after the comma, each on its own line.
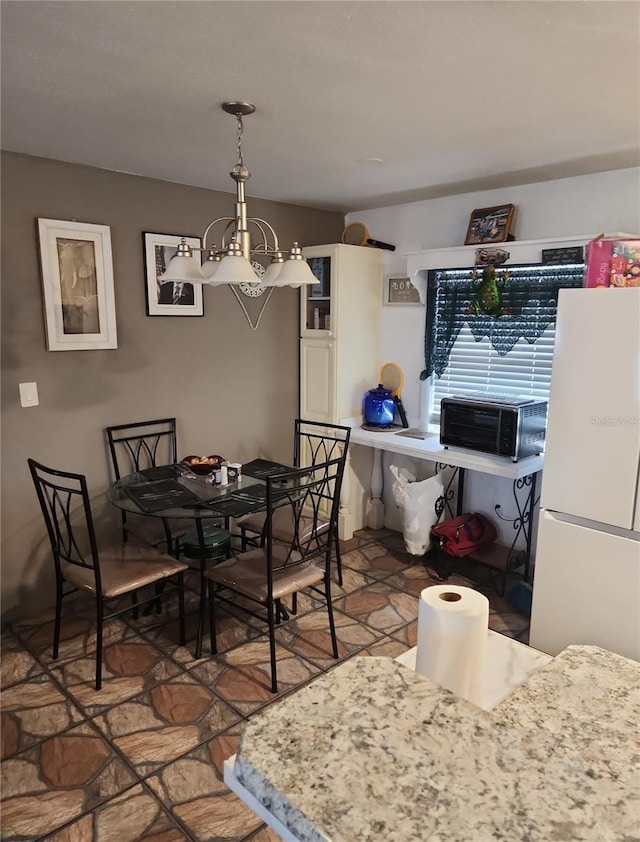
(528,304)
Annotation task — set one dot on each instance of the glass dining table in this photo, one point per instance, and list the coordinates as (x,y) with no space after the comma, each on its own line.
(174,492)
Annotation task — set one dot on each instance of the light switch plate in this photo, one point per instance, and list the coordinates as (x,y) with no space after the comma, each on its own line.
(29,394)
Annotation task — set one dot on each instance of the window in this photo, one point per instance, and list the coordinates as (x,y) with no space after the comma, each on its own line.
(510,353)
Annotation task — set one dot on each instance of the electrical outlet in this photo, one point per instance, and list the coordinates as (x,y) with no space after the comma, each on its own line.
(29,394)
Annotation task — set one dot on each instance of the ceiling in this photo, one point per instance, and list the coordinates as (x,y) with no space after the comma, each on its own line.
(451,96)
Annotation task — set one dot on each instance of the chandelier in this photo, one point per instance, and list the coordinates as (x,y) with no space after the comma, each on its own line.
(230,263)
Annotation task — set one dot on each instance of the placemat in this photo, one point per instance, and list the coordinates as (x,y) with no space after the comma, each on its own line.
(164,494)
(261,468)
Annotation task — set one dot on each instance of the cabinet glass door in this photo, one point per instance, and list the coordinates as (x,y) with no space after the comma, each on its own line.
(318,296)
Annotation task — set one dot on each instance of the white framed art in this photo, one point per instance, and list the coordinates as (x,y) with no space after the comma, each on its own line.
(77,284)
(169,299)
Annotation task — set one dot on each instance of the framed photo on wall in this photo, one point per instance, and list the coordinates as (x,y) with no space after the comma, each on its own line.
(169,299)
(490,225)
(400,290)
(77,284)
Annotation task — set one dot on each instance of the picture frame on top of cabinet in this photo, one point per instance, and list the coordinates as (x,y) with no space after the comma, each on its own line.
(400,290)
(77,285)
(490,225)
(169,299)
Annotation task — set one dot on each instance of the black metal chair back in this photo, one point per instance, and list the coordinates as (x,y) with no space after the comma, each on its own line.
(316,442)
(62,495)
(143,444)
(135,447)
(301,495)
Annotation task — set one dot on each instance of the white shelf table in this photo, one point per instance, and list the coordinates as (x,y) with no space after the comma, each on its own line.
(523,474)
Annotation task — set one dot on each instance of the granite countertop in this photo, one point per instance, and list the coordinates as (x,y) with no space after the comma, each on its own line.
(372,751)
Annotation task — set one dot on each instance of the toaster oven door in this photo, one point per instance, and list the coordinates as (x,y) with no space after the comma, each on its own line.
(475,427)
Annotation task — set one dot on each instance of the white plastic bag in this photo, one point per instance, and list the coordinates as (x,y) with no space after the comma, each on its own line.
(418,503)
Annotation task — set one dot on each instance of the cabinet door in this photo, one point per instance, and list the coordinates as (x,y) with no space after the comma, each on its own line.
(317,380)
(316,311)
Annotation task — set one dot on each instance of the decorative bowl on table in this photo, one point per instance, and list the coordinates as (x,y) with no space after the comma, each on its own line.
(202,465)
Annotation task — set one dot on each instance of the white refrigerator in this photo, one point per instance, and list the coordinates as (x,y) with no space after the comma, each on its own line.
(586,586)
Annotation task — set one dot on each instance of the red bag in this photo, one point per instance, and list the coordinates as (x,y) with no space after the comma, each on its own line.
(460,536)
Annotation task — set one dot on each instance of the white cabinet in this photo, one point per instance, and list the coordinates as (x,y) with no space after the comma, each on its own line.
(340,343)
(340,331)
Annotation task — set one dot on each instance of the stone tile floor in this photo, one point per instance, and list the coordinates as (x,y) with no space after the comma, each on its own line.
(141,760)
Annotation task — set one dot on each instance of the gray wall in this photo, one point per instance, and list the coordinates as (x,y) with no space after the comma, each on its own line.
(234,391)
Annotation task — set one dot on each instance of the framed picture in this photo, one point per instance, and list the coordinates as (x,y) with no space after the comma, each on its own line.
(169,299)
(400,291)
(490,225)
(77,283)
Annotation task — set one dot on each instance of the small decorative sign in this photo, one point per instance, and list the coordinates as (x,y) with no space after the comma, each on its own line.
(401,291)
(570,254)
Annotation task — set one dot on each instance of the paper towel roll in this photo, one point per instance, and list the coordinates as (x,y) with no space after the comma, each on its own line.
(452,638)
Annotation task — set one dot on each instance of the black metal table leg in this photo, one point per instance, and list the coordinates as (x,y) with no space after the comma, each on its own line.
(203,590)
(460,497)
(442,562)
(522,524)
(532,505)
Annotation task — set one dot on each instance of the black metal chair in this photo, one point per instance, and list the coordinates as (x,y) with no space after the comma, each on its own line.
(314,442)
(107,574)
(136,447)
(267,574)
(139,446)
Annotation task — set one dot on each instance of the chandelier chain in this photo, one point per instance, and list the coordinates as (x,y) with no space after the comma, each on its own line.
(239,118)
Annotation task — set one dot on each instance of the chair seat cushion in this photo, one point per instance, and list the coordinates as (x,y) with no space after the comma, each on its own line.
(124,568)
(247,574)
(254,523)
(282,523)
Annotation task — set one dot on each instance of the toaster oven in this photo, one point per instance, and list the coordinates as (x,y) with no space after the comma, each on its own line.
(502,425)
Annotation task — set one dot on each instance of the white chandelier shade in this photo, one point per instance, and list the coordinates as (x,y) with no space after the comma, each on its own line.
(234,269)
(294,272)
(182,269)
(209,268)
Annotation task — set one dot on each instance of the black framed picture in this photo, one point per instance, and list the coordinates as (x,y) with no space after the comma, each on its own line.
(169,299)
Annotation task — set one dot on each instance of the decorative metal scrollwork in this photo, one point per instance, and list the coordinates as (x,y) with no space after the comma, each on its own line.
(449,492)
(521,524)
(257,289)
